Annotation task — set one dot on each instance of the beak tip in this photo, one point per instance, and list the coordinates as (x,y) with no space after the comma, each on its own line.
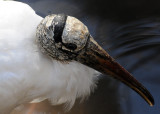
(152,103)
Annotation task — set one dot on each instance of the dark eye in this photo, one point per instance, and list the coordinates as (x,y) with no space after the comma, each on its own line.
(70,46)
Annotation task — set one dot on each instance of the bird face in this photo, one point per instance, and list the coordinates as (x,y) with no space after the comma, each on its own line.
(65,38)
(62,37)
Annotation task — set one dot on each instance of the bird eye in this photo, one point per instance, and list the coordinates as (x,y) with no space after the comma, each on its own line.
(70,46)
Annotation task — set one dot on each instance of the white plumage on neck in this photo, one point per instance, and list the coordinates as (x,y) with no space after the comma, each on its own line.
(27,74)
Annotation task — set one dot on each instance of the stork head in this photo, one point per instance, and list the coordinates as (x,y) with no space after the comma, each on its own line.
(65,38)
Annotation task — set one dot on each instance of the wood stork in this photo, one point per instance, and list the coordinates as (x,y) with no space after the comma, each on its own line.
(53,58)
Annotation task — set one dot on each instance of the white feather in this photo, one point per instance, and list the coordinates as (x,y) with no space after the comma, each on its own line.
(25,73)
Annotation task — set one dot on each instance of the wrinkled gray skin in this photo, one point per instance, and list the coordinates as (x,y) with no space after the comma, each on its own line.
(74,32)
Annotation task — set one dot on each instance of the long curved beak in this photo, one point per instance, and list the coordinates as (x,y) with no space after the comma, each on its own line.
(97,58)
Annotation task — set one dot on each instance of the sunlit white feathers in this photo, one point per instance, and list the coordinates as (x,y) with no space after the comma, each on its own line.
(27,74)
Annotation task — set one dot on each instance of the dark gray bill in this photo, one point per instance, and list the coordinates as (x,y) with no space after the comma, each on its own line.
(97,58)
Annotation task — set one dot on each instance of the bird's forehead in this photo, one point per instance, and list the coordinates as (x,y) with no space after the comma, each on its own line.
(75,32)
(49,20)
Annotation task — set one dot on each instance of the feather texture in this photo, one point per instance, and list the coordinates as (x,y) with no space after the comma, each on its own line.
(25,73)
